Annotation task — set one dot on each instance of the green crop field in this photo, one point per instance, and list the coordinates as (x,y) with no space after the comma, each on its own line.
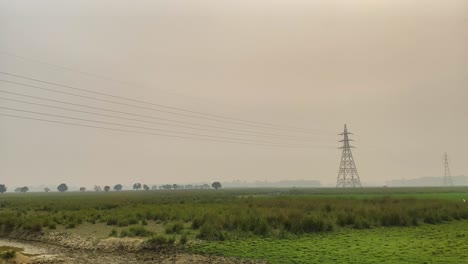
(369,225)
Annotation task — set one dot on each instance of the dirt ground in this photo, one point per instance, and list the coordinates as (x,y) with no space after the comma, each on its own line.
(69,249)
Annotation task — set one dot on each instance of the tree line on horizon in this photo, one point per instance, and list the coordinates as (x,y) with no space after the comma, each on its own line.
(118,187)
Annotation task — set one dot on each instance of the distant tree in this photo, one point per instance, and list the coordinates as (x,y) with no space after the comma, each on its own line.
(189,186)
(216,185)
(118,187)
(3,188)
(62,187)
(24,189)
(46,189)
(167,186)
(82,189)
(137,186)
(154,187)
(205,186)
(175,186)
(17,190)
(106,188)
(146,187)
(97,188)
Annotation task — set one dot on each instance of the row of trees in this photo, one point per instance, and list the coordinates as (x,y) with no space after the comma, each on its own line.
(61,188)
(118,187)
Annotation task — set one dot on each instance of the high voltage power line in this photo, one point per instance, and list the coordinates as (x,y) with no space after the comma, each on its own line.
(93,75)
(147,128)
(232,120)
(151,122)
(220,129)
(276,139)
(129,84)
(165,135)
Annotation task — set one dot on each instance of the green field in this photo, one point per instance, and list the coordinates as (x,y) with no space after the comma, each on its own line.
(369,225)
(443,243)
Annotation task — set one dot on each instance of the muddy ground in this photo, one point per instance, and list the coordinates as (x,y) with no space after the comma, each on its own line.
(70,249)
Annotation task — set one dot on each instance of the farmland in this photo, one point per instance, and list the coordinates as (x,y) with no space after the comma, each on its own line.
(275,225)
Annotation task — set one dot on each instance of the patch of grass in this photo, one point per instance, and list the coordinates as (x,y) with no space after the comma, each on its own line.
(227,214)
(8,255)
(136,231)
(159,240)
(175,228)
(444,243)
(114,233)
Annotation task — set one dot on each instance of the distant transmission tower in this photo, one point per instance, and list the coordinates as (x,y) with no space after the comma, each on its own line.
(347,175)
(447,176)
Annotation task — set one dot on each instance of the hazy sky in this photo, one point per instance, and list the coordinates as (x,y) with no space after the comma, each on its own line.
(395,71)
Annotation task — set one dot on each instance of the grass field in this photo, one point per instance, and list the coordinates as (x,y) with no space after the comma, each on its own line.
(390,225)
(443,243)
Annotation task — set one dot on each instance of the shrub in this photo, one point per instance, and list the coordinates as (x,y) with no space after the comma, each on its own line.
(209,231)
(8,255)
(7,224)
(33,226)
(136,231)
(111,221)
(158,240)
(261,228)
(197,223)
(183,239)
(312,224)
(113,232)
(175,228)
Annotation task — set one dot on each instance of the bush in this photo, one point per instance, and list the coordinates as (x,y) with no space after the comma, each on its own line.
(261,228)
(137,231)
(311,224)
(197,222)
(183,239)
(113,233)
(209,231)
(33,226)
(158,240)
(175,228)
(8,255)
(111,221)
(7,224)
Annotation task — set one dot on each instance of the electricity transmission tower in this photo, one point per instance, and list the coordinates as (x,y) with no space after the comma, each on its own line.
(347,174)
(447,176)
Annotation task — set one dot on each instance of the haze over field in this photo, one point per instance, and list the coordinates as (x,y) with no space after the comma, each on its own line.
(394,71)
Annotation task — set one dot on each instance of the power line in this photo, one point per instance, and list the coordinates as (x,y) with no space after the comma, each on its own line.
(132,84)
(145,121)
(94,75)
(157,134)
(262,124)
(156,118)
(147,128)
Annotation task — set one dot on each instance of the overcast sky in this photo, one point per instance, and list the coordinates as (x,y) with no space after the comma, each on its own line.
(394,71)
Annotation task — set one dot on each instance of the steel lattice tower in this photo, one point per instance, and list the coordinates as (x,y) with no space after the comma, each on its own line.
(347,174)
(447,176)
